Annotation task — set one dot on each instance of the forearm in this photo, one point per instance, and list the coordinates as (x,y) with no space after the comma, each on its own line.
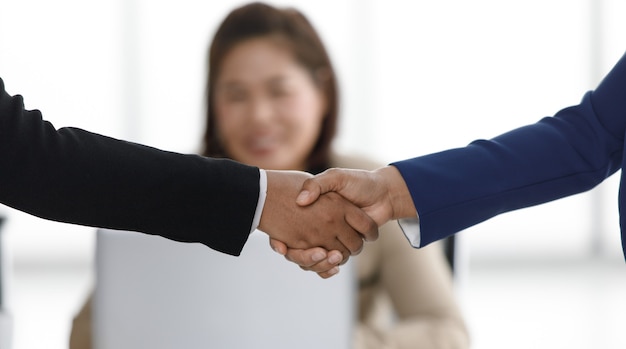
(75,176)
(559,156)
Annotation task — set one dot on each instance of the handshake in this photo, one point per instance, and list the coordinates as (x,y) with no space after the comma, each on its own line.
(318,222)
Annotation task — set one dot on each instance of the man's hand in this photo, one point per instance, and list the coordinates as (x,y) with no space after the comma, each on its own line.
(382,194)
(331,223)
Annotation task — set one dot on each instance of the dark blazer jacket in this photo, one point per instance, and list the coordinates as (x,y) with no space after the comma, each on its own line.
(74,176)
(568,153)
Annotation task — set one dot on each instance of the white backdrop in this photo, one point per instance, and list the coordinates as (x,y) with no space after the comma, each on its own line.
(415,76)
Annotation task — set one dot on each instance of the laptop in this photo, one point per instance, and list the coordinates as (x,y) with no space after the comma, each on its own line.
(6,318)
(156,293)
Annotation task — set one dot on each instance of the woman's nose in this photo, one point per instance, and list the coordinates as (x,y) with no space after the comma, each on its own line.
(261,110)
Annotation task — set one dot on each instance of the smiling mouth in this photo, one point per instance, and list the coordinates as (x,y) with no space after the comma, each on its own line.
(262,145)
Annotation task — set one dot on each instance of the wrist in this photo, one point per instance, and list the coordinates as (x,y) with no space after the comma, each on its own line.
(282,189)
(270,200)
(398,193)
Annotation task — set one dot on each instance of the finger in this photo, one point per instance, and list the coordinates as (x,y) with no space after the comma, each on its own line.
(348,244)
(278,246)
(308,258)
(333,257)
(347,240)
(326,274)
(336,258)
(361,222)
(326,266)
(353,242)
(322,267)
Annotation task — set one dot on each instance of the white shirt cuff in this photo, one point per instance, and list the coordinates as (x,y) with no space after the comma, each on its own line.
(411,229)
(261,203)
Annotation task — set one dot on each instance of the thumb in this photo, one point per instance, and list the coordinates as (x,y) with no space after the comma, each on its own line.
(311,190)
(327,181)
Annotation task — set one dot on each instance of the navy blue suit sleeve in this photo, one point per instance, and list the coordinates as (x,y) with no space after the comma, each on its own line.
(562,155)
(74,176)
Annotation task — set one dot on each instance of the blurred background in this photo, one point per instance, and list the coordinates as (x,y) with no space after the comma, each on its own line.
(415,76)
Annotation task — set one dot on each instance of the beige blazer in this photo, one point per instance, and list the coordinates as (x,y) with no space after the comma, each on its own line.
(406,296)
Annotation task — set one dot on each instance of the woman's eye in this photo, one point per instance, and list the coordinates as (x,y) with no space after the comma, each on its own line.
(236,96)
(278,92)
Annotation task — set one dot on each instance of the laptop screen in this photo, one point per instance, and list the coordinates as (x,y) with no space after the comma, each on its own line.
(156,293)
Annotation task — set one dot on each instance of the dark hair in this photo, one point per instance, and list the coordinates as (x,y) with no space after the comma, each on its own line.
(257,20)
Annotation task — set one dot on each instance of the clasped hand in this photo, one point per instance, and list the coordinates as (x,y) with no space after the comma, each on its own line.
(319,222)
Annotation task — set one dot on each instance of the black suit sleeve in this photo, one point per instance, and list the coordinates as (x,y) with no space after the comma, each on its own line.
(74,176)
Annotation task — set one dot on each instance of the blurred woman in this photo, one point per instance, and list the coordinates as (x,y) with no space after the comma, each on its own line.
(272,102)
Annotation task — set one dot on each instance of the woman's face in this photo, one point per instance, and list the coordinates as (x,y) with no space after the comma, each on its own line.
(268,109)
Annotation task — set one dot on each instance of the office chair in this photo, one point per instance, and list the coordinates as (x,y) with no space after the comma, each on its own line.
(449,249)
(455,252)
